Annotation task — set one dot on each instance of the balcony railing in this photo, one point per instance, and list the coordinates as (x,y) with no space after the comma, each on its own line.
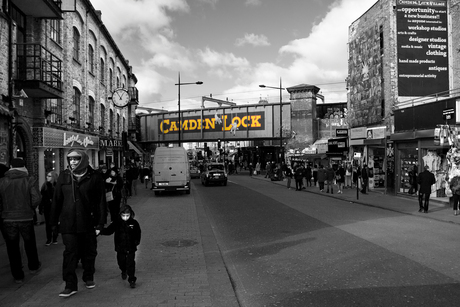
(39,71)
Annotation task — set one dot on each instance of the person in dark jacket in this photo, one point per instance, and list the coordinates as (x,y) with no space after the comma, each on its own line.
(425,180)
(365,178)
(80,209)
(308,174)
(321,176)
(47,192)
(330,177)
(114,183)
(127,238)
(288,174)
(19,197)
(298,176)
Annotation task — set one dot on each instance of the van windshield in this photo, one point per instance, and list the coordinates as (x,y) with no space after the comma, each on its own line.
(169,159)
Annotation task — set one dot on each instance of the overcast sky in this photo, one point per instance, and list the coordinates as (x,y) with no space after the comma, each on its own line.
(232,46)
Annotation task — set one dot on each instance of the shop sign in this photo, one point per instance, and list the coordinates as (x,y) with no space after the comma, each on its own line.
(110,143)
(309,151)
(358,133)
(246,121)
(341,132)
(448,113)
(55,138)
(375,133)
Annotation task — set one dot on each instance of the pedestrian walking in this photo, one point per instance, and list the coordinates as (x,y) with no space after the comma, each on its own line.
(340,177)
(19,197)
(425,180)
(365,178)
(47,192)
(315,174)
(288,174)
(298,175)
(308,175)
(258,169)
(348,176)
(114,184)
(321,177)
(413,181)
(135,177)
(127,238)
(330,177)
(80,209)
(454,185)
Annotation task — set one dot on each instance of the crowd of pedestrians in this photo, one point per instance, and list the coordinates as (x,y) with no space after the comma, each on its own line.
(75,205)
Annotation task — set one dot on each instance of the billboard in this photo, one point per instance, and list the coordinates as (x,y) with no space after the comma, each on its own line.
(422,45)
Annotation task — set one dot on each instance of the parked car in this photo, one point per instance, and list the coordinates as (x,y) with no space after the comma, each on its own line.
(194,170)
(214,173)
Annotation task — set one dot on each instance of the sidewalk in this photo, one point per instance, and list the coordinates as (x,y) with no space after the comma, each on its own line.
(408,205)
(178,263)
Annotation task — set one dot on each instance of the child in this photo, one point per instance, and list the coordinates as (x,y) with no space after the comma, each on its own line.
(127,238)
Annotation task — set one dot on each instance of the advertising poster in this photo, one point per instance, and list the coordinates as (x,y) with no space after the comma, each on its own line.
(422,42)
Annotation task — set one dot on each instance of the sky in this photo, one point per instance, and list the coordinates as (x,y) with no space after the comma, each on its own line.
(232,46)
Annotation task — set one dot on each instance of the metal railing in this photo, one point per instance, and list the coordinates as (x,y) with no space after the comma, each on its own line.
(35,63)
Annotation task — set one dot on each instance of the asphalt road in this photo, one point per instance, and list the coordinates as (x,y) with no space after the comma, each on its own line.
(288,248)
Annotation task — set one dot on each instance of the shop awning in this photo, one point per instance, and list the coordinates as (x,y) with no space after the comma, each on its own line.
(136,148)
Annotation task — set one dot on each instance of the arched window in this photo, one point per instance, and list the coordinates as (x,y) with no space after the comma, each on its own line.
(111,120)
(103,117)
(91,107)
(91,59)
(76,44)
(102,71)
(111,79)
(76,107)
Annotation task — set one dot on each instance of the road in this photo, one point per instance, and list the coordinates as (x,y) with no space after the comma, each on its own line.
(288,248)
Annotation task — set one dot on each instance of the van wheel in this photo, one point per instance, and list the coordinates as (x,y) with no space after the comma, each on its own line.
(157,193)
(187,191)
(225,183)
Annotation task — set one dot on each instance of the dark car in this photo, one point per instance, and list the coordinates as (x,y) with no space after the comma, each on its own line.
(214,173)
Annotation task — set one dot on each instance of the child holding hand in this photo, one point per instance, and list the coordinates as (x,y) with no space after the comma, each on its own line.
(127,238)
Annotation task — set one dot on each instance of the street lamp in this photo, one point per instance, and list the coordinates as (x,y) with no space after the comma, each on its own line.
(281,113)
(178,101)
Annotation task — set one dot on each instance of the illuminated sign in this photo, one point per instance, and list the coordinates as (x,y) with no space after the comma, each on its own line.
(209,123)
(70,140)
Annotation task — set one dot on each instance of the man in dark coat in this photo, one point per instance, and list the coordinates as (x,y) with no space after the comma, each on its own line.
(365,178)
(425,180)
(19,196)
(80,208)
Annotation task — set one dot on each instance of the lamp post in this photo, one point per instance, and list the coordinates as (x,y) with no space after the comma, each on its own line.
(178,101)
(281,113)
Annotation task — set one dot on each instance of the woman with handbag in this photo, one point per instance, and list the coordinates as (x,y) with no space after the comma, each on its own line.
(113,188)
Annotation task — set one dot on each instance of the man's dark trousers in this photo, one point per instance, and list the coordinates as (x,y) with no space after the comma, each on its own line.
(78,246)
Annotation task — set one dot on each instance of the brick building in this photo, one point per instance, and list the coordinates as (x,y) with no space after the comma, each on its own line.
(59,67)
(404,85)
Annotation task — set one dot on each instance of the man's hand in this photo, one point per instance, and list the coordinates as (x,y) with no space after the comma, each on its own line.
(97,232)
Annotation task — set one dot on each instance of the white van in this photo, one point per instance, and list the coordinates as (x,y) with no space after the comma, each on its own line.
(171,170)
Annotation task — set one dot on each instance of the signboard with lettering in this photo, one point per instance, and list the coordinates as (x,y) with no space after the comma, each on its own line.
(55,138)
(238,122)
(422,44)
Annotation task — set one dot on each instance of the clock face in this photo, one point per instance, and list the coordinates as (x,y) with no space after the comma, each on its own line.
(120,98)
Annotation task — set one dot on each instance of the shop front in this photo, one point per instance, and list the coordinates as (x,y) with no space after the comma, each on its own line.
(53,146)
(111,151)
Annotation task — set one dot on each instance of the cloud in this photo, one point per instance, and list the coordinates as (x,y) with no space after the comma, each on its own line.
(253,2)
(252,39)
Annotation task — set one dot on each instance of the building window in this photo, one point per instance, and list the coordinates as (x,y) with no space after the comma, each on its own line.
(111,79)
(118,124)
(75,114)
(55,30)
(91,59)
(102,70)
(111,120)
(91,106)
(103,121)
(53,111)
(76,45)
(118,82)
